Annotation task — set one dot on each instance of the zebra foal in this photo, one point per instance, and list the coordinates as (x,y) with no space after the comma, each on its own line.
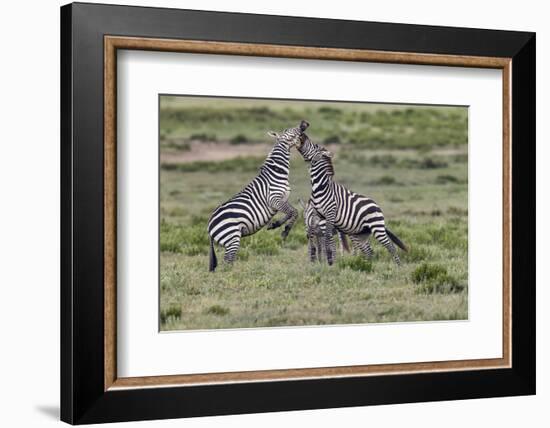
(254,206)
(351,213)
(315,232)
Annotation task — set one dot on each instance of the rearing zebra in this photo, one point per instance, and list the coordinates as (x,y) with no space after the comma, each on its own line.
(356,215)
(254,206)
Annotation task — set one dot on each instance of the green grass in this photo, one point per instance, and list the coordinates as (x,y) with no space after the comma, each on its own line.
(356,262)
(422,190)
(433,278)
(360,124)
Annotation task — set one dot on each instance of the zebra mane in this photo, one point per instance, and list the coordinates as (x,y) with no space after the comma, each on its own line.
(330,169)
(326,157)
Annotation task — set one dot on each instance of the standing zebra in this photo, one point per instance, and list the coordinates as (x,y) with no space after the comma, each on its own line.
(351,213)
(315,232)
(254,206)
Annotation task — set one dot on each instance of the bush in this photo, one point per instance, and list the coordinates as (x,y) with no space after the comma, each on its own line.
(385,161)
(238,164)
(357,263)
(239,139)
(426,272)
(435,279)
(179,145)
(445,284)
(417,254)
(217,310)
(444,179)
(429,163)
(456,211)
(426,163)
(461,158)
(332,139)
(203,137)
(329,110)
(171,312)
(385,180)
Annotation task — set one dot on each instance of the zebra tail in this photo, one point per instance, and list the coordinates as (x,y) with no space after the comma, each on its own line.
(396,240)
(345,243)
(213,258)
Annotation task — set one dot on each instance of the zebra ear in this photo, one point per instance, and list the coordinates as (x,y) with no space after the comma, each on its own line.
(317,156)
(327,154)
(273,134)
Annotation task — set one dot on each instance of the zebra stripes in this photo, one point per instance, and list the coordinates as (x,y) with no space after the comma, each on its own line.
(351,213)
(315,232)
(254,206)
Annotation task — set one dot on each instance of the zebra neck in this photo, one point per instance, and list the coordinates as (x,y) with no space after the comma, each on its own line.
(319,182)
(278,157)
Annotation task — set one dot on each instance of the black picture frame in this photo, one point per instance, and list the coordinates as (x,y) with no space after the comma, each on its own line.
(83,399)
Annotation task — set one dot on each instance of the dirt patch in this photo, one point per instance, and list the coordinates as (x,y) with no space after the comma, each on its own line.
(218,151)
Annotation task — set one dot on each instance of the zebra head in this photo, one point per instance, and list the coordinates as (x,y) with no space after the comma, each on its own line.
(307,148)
(290,137)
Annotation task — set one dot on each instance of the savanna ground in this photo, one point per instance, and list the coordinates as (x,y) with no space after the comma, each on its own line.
(412,160)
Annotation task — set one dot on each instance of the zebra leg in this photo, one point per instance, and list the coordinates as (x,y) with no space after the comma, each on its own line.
(382,237)
(362,245)
(330,246)
(312,249)
(291,214)
(231,248)
(320,245)
(344,246)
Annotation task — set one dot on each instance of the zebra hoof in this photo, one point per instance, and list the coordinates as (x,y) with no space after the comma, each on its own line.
(285,232)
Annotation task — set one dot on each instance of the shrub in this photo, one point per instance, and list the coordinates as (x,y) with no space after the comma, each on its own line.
(461,158)
(445,284)
(329,110)
(457,211)
(180,145)
(385,161)
(332,139)
(238,164)
(385,180)
(217,310)
(203,137)
(444,179)
(417,254)
(426,163)
(426,272)
(357,263)
(429,163)
(435,279)
(170,312)
(239,139)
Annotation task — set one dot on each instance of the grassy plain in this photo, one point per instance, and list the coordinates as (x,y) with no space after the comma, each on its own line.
(412,160)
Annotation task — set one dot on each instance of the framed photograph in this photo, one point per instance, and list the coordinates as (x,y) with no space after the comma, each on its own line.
(266,213)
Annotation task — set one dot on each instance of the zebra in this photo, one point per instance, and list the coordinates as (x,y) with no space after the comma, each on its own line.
(315,231)
(254,206)
(356,215)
